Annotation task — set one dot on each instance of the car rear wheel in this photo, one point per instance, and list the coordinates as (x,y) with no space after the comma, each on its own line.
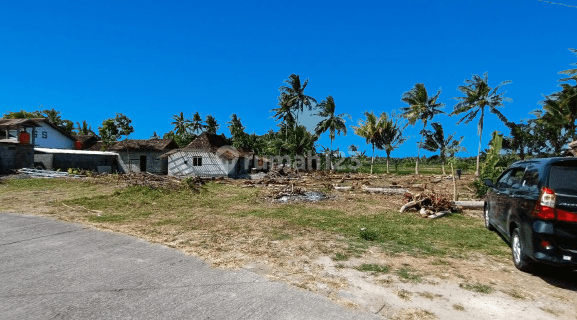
(488,224)
(520,259)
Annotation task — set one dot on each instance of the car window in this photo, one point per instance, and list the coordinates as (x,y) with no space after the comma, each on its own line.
(530,181)
(516,178)
(563,179)
(502,183)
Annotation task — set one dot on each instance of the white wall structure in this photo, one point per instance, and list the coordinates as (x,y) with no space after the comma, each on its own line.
(47,136)
(182,164)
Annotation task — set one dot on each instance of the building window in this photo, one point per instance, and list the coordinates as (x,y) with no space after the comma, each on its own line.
(197,161)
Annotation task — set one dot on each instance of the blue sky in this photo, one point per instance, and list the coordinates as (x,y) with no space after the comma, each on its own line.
(153,59)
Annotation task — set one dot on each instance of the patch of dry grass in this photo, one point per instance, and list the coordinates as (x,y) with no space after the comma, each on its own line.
(414,314)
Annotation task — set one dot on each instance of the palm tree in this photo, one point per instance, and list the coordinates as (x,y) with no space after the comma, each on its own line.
(371,129)
(284,111)
(561,107)
(181,124)
(421,107)
(332,123)
(238,136)
(435,140)
(296,93)
(392,134)
(572,73)
(211,125)
(196,123)
(479,95)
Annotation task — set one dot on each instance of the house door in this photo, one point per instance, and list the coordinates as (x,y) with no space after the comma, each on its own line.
(142,163)
(239,165)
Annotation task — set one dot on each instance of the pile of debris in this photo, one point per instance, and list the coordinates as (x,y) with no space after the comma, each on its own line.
(37,173)
(277,172)
(429,204)
(159,182)
(301,196)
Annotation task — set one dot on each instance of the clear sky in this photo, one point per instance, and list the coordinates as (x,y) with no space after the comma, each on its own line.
(153,59)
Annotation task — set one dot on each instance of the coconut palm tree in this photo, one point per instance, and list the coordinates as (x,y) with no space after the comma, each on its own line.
(211,125)
(478,95)
(285,112)
(181,124)
(238,136)
(332,123)
(421,108)
(196,123)
(392,133)
(371,129)
(296,94)
(435,140)
(561,107)
(572,73)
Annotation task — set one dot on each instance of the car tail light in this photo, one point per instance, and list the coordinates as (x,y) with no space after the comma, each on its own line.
(545,208)
(563,215)
(546,245)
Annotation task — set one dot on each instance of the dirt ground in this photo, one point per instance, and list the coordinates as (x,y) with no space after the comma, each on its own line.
(420,287)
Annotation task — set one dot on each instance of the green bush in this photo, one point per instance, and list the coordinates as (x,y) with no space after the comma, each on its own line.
(369,235)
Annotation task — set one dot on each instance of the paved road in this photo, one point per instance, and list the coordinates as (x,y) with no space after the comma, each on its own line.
(56,270)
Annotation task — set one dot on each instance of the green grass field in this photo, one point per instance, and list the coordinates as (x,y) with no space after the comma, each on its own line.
(454,236)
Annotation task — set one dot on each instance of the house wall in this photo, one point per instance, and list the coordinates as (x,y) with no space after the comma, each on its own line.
(47,137)
(82,161)
(14,156)
(46,159)
(180,165)
(130,161)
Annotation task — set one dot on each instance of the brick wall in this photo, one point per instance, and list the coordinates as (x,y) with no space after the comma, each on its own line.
(14,156)
(83,161)
(130,162)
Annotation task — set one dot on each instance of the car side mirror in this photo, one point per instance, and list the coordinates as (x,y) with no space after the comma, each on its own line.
(489,183)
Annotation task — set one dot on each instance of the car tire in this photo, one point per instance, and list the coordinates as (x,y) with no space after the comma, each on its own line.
(488,224)
(520,259)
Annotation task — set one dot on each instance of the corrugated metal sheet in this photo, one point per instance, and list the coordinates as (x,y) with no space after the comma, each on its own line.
(68,151)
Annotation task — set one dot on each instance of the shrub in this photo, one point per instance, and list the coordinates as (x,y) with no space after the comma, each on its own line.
(369,235)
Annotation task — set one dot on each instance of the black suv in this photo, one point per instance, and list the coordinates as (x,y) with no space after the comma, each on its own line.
(533,204)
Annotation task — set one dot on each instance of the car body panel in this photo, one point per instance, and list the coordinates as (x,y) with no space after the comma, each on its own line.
(510,206)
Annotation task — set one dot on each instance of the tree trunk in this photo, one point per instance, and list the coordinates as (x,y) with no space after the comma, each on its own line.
(373,158)
(443,166)
(480,137)
(479,154)
(387,163)
(331,156)
(419,152)
(455,197)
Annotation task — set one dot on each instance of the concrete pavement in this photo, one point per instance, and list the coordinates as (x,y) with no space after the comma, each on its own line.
(56,270)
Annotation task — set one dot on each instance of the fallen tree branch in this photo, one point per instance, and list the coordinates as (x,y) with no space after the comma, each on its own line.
(384,190)
(412,204)
(470,204)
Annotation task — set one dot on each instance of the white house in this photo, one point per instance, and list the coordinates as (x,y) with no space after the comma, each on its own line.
(209,155)
(51,136)
(44,135)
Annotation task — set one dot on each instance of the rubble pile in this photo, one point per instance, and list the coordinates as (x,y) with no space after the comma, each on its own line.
(38,173)
(159,182)
(429,204)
